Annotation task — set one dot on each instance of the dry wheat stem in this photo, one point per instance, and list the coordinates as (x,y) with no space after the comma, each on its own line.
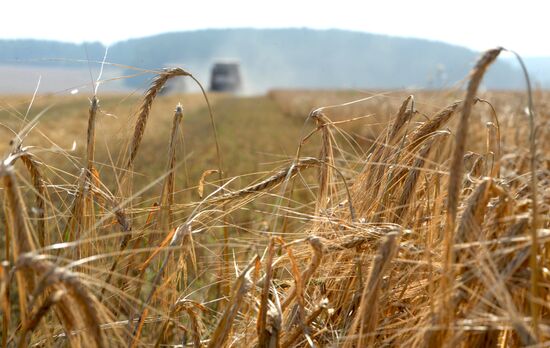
(535,308)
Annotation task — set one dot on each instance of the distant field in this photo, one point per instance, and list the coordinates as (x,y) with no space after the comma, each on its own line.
(256,133)
(23,79)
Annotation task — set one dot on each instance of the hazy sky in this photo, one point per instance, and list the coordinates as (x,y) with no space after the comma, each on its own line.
(519,25)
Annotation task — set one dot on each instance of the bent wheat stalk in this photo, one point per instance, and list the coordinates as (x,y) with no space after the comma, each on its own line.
(535,307)
(455,182)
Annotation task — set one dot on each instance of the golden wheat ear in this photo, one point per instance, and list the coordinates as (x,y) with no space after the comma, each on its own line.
(145,109)
(76,303)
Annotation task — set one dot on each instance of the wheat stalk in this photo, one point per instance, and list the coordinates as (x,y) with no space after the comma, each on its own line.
(456,172)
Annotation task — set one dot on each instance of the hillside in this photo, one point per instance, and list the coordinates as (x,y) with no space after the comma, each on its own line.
(272,58)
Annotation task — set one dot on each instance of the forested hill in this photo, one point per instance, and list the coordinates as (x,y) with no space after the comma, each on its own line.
(286,58)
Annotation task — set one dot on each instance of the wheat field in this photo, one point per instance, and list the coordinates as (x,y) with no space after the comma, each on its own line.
(314,219)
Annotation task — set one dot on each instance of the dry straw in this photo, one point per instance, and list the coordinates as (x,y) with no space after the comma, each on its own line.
(361,332)
(240,288)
